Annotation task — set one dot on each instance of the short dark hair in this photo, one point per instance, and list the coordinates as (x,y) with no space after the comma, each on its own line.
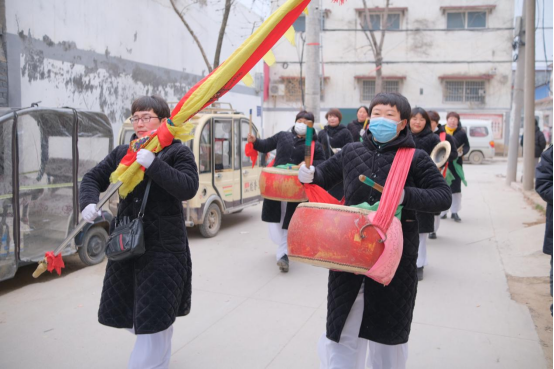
(365,108)
(417,110)
(434,116)
(392,99)
(335,112)
(306,115)
(453,114)
(154,102)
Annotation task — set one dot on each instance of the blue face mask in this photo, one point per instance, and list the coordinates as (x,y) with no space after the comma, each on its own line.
(383,129)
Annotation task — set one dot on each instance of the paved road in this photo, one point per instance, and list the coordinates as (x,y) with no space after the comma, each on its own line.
(246,314)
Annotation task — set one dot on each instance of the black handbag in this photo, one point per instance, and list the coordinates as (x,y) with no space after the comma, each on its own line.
(127,239)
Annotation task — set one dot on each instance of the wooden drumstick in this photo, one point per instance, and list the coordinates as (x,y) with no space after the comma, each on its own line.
(370,183)
(250,123)
(308,147)
(365,123)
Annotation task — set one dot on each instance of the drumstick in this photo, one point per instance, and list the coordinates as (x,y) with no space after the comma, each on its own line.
(370,183)
(250,123)
(365,123)
(308,147)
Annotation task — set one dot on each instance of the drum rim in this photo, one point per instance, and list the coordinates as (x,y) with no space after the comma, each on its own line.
(342,208)
(329,264)
(305,199)
(288,172)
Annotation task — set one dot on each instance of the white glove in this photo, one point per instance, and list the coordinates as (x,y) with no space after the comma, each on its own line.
(306,175)
(402,197)
(90,213)
(145,158)
(362,131)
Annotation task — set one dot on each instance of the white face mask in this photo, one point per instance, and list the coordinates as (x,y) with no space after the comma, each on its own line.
(300,128)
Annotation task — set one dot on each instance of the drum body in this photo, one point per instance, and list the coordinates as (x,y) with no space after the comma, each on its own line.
(281,185)
(334,237)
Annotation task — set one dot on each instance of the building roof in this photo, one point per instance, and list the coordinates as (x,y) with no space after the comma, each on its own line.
(382,10)
(465,77)
(467,7)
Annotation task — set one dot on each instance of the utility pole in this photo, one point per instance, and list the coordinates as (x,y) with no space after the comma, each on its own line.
(513,147)
(529,99)
(313,82)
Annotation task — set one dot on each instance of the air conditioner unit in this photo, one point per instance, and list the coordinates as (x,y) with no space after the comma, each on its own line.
(277,90)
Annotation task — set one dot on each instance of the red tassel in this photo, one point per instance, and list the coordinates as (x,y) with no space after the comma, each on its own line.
(318,194)
(54,262)
(251,153)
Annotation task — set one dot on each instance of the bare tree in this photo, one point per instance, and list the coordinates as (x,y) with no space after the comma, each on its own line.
(226,11)
(377,48)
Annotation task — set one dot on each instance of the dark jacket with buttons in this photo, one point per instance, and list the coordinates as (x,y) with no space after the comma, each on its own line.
(460,136)
(388,311)
(148,292)
(290,150)
(334,138)
(543,186)
(426,140)
(355,127)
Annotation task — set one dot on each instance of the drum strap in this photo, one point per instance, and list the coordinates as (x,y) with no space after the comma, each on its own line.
(393,188)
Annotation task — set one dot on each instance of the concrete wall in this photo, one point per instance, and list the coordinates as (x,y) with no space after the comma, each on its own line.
(102,54)
(421,51)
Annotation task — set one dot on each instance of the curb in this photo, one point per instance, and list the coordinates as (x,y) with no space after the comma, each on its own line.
(532,196)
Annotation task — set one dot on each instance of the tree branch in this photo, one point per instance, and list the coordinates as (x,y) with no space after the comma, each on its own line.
(228,4)
(384,29)
(196,40)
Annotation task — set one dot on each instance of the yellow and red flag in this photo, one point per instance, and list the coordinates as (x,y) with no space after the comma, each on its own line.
(209,89)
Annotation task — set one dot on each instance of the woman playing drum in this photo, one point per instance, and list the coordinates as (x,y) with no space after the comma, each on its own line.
(290,146)
(360,311)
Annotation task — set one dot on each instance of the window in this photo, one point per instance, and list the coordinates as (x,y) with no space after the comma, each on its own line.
(299,24)
(237,142)
(464,91)
(246,162)
(393,21)
(293,90)
(367,88)
(478,131)
(222,145)
(462,20)
(205,149)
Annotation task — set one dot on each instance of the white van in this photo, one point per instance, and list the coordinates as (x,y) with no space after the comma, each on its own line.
(481,141)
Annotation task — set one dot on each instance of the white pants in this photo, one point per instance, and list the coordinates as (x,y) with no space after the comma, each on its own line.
(351,351)
(152,351)
(279,235)
(456,204)
(437,223)
(422,252)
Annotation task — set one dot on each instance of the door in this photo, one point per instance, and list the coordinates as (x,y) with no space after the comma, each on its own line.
(250,176)
(223,160)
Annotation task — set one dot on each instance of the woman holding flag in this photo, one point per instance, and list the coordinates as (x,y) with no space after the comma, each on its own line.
(290,146)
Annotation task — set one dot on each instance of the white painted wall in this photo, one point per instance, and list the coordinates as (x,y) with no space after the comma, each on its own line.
(110,52)
(347,54)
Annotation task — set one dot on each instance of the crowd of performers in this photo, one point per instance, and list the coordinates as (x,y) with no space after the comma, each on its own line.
(368,323)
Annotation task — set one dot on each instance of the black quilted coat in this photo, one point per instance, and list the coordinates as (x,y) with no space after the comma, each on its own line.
(290,150)
(388,310)
(450,139)
(543,186)
(426,141)
(334,138)
(355,127)
(150,291)
(460,136)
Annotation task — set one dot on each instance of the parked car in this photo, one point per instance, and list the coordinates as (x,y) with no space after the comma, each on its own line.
(481,141)
(44,153)
(228,182)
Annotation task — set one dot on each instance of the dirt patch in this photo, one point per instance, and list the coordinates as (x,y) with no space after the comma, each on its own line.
(534,292)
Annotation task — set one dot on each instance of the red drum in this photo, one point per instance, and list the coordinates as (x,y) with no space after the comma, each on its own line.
(335,237)
(281,185)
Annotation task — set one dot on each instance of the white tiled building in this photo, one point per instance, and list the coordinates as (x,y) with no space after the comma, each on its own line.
(446,56)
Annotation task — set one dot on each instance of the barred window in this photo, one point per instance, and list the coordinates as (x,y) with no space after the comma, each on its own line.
(464,91)
(393,21)
(293,90)
(367,88)
(461,20)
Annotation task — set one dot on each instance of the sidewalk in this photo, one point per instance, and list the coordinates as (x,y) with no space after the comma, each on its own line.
(246,314)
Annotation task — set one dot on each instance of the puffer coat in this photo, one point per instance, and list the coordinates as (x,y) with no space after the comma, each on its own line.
(543,186)
(388,311)
(334,138)
(460,136)
(290,150)
(426,141)
(148,292)
(355,127)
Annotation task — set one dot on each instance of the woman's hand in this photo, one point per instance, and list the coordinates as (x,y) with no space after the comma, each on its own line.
(90,213)
(251,138)
(145,158)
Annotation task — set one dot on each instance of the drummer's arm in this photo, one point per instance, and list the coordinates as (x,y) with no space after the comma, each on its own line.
(431,194)
(268,144)
(329,173)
